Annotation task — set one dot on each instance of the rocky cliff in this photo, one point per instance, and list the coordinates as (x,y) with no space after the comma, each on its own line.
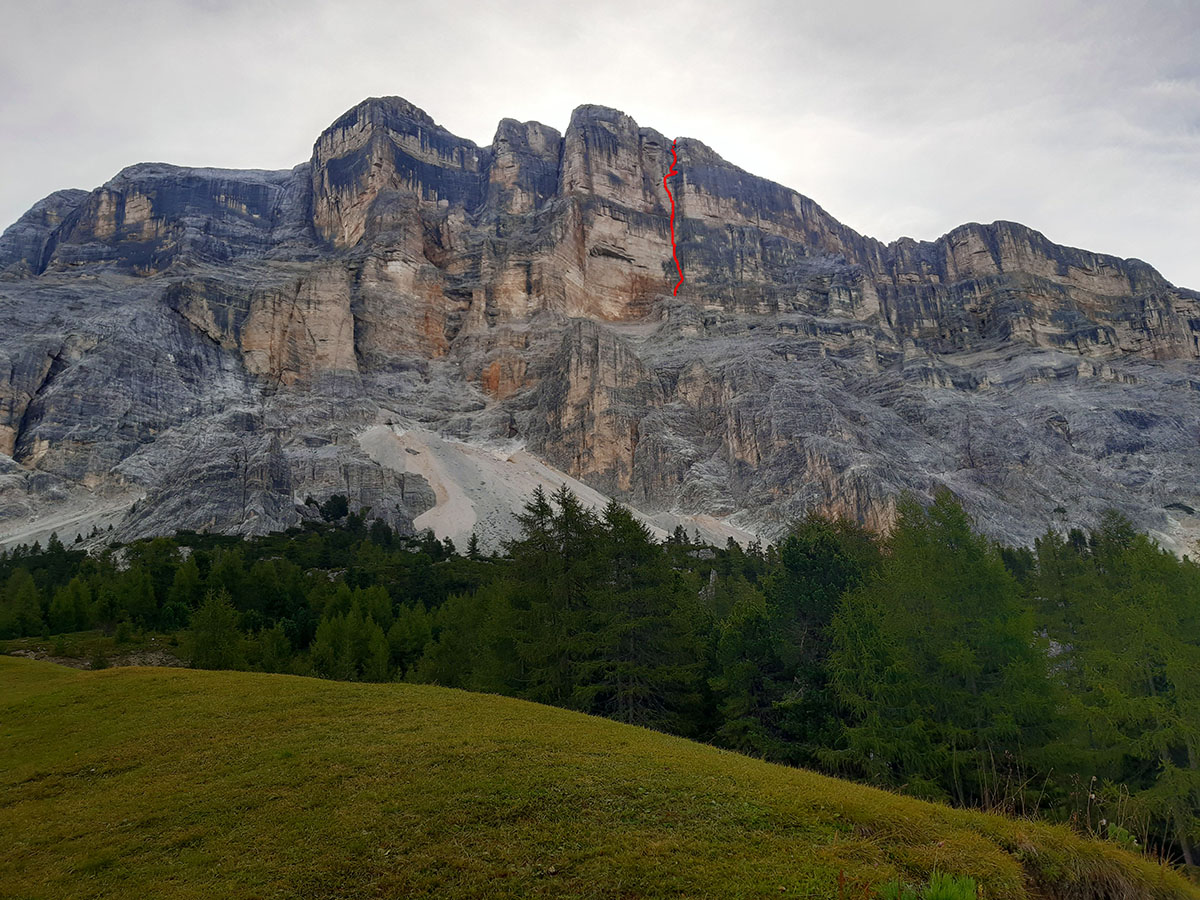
(202,348)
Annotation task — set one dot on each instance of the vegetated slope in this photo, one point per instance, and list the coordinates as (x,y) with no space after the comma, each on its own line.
(174,783)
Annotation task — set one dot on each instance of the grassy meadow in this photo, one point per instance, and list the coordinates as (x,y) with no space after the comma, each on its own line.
(155,782)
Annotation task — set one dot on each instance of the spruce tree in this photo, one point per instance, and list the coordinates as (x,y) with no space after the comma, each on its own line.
(377,666)
(21,606)
(745,683)
(554,563)
(772,652)
(186,588)
(331,652)
(61,616)
(634,651)
(275,649)
(408,637)
(937,658)
(135,596)
(1132,657)
(215,638)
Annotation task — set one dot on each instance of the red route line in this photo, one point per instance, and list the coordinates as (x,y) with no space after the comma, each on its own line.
(672,171)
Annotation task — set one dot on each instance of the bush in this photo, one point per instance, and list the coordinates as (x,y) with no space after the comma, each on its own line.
(1124,838)
(941,887)
(951,887)
(216,641)
(335,508)
(894,890)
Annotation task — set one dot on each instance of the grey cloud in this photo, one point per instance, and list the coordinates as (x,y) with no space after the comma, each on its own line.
(1079,119)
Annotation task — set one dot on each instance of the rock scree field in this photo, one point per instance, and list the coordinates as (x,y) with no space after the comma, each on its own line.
(150,782)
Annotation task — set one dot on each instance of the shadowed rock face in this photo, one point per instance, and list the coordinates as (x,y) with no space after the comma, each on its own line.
(213,342)
(23,246)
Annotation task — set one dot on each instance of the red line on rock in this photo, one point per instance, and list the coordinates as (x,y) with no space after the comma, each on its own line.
(672,171)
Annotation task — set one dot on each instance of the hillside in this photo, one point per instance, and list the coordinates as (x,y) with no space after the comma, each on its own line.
(179,783)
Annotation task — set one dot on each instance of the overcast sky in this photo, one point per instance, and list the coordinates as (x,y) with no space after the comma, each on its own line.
(1080,119)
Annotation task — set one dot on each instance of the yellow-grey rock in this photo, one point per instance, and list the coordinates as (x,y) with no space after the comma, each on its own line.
(213,343)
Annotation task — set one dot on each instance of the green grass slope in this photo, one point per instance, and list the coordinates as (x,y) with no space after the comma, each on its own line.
(176,783)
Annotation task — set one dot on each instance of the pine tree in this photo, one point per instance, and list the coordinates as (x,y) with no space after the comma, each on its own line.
(21,606)
(135,596)
(772,654)
(60,616)
(937,657)
(331,652)
(408,637)
(634,649)
(275,649)
(377,666)
(431,546)
(381,533)
(335,508)
(70,609)
(1132,657)
(216,640)
(474,648)
(186,588)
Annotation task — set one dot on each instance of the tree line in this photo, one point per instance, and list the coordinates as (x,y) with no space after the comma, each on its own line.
(1061,680)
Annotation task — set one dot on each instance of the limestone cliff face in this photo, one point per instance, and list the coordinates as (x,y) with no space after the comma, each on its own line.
(211,341)
(589,405)
(381,149)
(1006,281)
(523,174)
(151,215)
(23,245)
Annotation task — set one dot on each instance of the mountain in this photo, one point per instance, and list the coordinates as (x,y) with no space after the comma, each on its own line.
(431,327)
(179,783)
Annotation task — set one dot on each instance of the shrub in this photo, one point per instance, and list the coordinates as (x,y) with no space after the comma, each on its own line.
(951,887)
(941,887)
(894,890)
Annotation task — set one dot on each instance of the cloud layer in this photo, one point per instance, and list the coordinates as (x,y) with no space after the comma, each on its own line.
(1081,120)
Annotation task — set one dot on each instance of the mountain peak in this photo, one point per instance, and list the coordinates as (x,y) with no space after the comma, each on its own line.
(519,296)
(595,112)
(383,107)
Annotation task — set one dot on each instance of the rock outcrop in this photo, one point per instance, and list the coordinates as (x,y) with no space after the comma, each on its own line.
(212,343)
